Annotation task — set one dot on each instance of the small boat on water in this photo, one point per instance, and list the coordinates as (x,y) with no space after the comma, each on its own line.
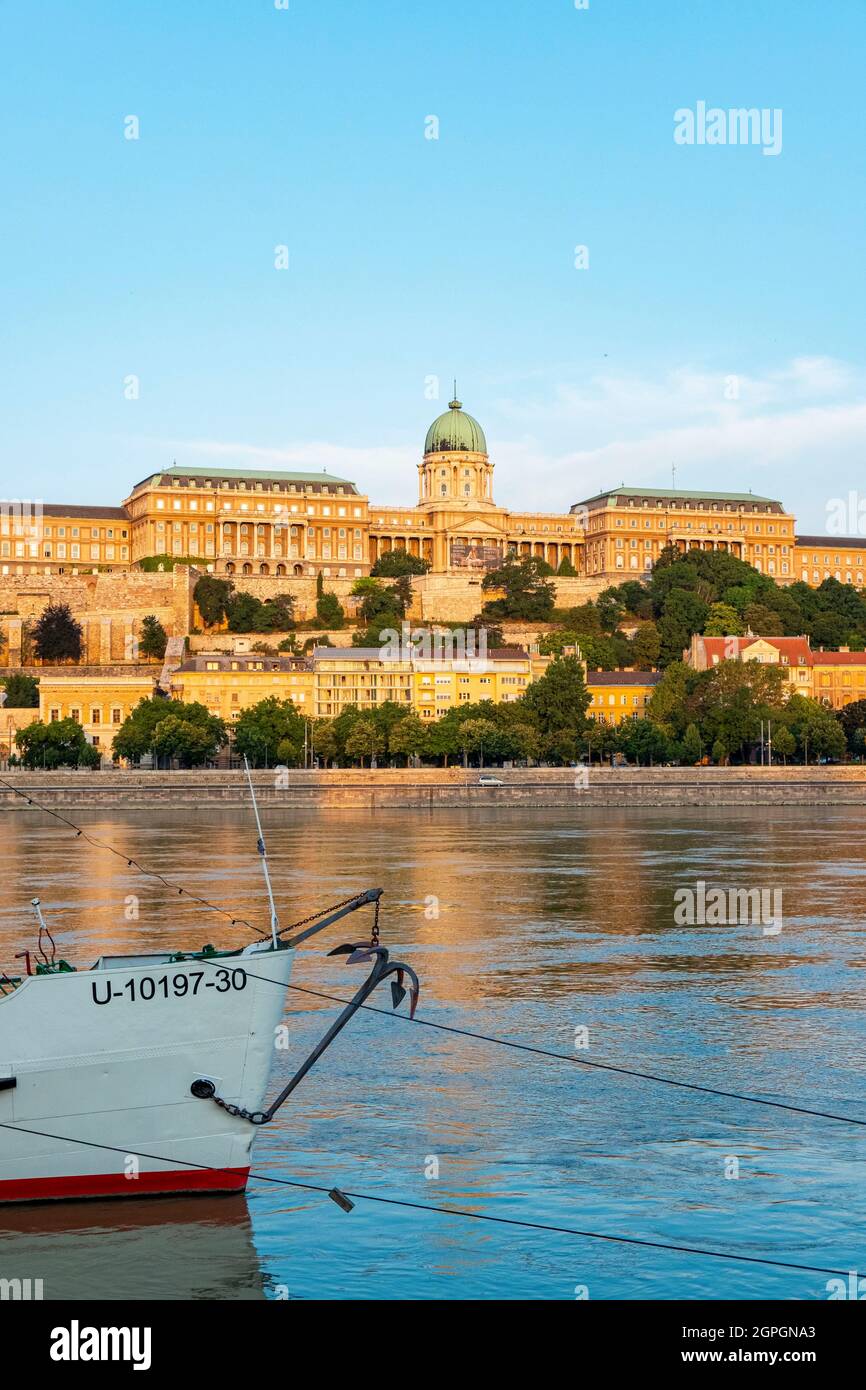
(147,1074)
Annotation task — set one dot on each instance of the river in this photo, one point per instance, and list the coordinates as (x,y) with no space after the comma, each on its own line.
(555,929)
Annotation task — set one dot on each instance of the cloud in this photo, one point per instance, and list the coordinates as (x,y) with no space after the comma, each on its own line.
(796,431)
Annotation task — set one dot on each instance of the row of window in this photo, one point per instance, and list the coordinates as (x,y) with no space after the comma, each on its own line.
(279,509)
(96,713)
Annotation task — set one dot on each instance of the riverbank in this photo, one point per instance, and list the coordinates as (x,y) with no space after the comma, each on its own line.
(397,788)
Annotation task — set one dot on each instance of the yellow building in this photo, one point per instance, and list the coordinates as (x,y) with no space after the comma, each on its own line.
(226,684)
(334,678)
(12,721)
(430,686)
(626,529)
(616,696)
(835,678)
(793,654)
(817,558)
(42,538)
(838,678)
(252,523)
(456,524)
(296,524)
(99,699)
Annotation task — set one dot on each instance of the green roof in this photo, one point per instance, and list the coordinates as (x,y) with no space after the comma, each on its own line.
(453,431)
(262,475)
(687,494)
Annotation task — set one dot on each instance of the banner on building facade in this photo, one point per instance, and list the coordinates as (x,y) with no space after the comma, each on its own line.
(476,555)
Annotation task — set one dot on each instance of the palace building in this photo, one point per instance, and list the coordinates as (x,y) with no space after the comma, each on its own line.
(296,525)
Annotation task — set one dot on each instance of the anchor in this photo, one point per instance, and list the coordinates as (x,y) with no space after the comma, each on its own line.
(355,953)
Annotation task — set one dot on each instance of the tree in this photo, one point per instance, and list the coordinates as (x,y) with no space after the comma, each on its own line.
(683,614)
(818,732)
(692,747)
(646,646)
(62,743)
(643,742)
(325,741)
(153,639)
(22,692)
(668,707)
(478,736)
(720,752)
(528,593)
(57,635)
(212,596)
(566,568)
(408,738)
(559,699)
(394,563)
(329,611)
(188,743)
(853,720)
(724,621)
(270,732)
(763,621)
(137,734)
(784,743)
(364,741)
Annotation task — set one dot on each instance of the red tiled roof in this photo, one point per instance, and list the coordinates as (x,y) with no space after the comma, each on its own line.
(839,658)
(796,649)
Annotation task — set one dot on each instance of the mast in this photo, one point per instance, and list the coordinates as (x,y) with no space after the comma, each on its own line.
(260,846)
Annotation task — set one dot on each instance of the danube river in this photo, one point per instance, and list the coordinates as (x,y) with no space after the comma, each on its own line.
(549,928)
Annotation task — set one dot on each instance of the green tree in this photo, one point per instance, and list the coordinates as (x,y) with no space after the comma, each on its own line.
(784,743)
(763,621)
(692,747)
(364,741)
(57,635)
(643,742)
(394,563)
(325,741)
(479,737)
(212,597)
(559,699)
(724,621)
(22,692)
(818,732)
(528,593)
(566,568)
(269,732)
(646,646)
(190,744)
(153,639)
(137,734)
(408,738)
(329,611)
(59,744)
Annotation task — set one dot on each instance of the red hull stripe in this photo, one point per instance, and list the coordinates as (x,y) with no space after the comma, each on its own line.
(116,1185)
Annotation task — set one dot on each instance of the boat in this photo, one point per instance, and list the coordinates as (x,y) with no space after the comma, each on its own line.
(147,1074)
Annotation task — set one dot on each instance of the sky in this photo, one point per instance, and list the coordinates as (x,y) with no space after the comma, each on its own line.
(713,324)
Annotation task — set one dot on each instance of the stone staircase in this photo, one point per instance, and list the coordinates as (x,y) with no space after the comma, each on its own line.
(174,654)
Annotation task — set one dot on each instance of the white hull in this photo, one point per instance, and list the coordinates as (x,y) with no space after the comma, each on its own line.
(103,1061)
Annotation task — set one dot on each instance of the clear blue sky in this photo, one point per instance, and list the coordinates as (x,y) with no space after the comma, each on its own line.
(412,257)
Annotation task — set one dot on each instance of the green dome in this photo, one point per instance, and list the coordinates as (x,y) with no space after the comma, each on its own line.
(455,430)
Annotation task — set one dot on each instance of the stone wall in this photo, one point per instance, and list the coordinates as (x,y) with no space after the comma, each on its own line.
(431,788)
(110,608)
